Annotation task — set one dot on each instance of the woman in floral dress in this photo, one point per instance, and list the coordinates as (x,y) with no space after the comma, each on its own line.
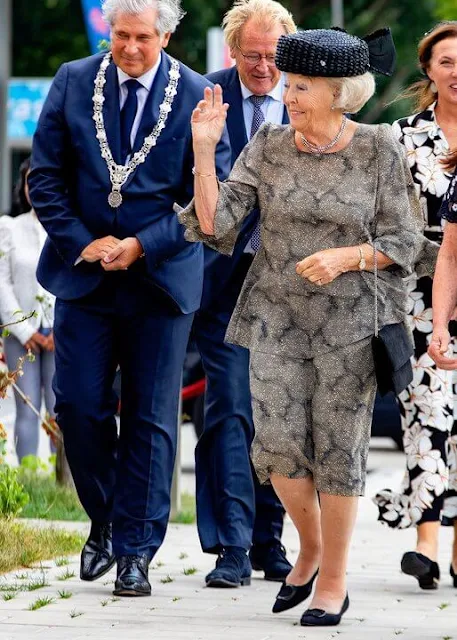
(428,495)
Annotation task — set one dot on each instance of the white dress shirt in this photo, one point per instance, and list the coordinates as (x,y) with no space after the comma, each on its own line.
(146,81)
(21,241)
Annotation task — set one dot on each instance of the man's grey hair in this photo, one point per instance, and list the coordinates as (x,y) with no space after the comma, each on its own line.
(169,12)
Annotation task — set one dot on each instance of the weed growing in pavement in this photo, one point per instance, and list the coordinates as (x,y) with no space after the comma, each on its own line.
(9,595)
(64,595)
(114,599)
(190,571)
(75,614)
(40,602)
(36,583)
(175,599)
(444,605)
(166,580)
(104,602)
(61,562)
(66,575)
(183,555)
(159,563)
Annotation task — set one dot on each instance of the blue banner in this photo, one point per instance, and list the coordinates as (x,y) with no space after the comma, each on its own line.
(97,29)
(25,100)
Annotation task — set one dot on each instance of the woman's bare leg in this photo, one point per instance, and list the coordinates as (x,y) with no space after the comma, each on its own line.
(299,499)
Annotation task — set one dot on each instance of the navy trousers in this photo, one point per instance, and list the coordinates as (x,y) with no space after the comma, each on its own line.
(233,509)
(125,479)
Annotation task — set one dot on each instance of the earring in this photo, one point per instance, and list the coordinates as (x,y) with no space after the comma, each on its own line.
(433,88)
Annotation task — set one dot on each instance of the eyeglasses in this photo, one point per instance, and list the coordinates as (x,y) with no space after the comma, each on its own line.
(255,58)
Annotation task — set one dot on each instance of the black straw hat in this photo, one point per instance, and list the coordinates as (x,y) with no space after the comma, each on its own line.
(335,53)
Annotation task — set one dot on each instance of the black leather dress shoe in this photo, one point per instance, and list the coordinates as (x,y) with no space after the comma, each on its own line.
(233,569)
(270,558)
(97,556)
(132,576)
(426,571)
(453,575)
(290,595)
(320,618)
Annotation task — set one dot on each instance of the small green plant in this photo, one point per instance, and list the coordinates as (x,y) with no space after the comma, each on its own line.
(104,602)
(37,583)
(13,497)
(61,562)
(166,579)
(175,599)
(64,595)
(190,571)
(444,605)
(75,614)
(39,603)
(114,599)
(66,575)
(159,563)
(9,595)
(22,576)
(183,556)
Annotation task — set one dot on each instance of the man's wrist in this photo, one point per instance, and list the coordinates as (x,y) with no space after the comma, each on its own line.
(140,249)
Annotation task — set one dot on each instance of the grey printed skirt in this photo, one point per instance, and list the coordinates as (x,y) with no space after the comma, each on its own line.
(313,417)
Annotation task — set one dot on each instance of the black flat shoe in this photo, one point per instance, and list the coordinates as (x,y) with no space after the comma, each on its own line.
(426,571)
(97,556)
(320,618)
(290,595)
(453,575)
(132,576)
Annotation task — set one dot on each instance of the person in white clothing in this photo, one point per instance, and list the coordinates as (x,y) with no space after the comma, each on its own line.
(21,241)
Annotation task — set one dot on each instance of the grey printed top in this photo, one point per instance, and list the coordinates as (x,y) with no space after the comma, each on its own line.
(307,203)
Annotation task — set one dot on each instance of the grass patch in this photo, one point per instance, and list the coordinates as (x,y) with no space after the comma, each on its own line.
(187,513)
(38,583)
(47,500)
(75,614)
(64,595)
(9,595)
(66,575)
(23,546)
(61,562)
(166,580)
(190,571)
(39,603)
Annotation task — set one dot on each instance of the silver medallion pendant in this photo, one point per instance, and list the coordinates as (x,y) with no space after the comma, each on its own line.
(115,199)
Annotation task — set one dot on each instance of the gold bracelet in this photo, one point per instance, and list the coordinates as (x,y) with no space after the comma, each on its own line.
(202,175)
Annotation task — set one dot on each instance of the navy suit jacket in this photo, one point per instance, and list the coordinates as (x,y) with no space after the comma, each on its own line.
(69,183)
(218,268)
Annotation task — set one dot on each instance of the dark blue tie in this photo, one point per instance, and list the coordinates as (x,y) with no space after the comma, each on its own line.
(128,114)
(257,120)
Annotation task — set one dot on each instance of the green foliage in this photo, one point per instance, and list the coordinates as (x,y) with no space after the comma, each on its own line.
(446,10)
(13,497)
(47,500)
(39,603)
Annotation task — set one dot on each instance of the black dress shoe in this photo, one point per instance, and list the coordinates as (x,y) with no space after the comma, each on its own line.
(270,558)
(97,556)
(426,571)
(132,576)
(453,575)
(289,595)
(320,618)
(233,569)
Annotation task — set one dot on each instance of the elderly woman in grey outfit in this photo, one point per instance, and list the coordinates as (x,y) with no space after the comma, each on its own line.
(327,189)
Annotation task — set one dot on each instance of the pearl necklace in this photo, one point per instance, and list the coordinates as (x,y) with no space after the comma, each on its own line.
(119,174)
(316,148)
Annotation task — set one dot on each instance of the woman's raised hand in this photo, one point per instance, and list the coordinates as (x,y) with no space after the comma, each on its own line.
(208,118)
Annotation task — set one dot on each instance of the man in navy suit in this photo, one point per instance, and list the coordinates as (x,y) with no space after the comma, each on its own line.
(233,510)
(111,155)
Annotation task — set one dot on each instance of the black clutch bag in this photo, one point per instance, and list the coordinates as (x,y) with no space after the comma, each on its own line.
(392,350)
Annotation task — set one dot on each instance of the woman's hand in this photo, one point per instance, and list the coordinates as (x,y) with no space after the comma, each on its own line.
(324,266)
(36,342)
(208,119)
(49,346)
(438,347)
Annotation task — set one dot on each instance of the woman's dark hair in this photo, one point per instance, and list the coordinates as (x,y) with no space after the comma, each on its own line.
(21,204)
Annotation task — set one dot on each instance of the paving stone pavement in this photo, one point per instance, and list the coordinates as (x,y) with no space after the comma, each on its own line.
(384,603)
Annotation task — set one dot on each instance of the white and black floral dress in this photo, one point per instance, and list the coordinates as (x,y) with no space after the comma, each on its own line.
(429,406)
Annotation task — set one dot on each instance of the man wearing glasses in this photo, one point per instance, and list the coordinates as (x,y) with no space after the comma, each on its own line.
(233,510)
